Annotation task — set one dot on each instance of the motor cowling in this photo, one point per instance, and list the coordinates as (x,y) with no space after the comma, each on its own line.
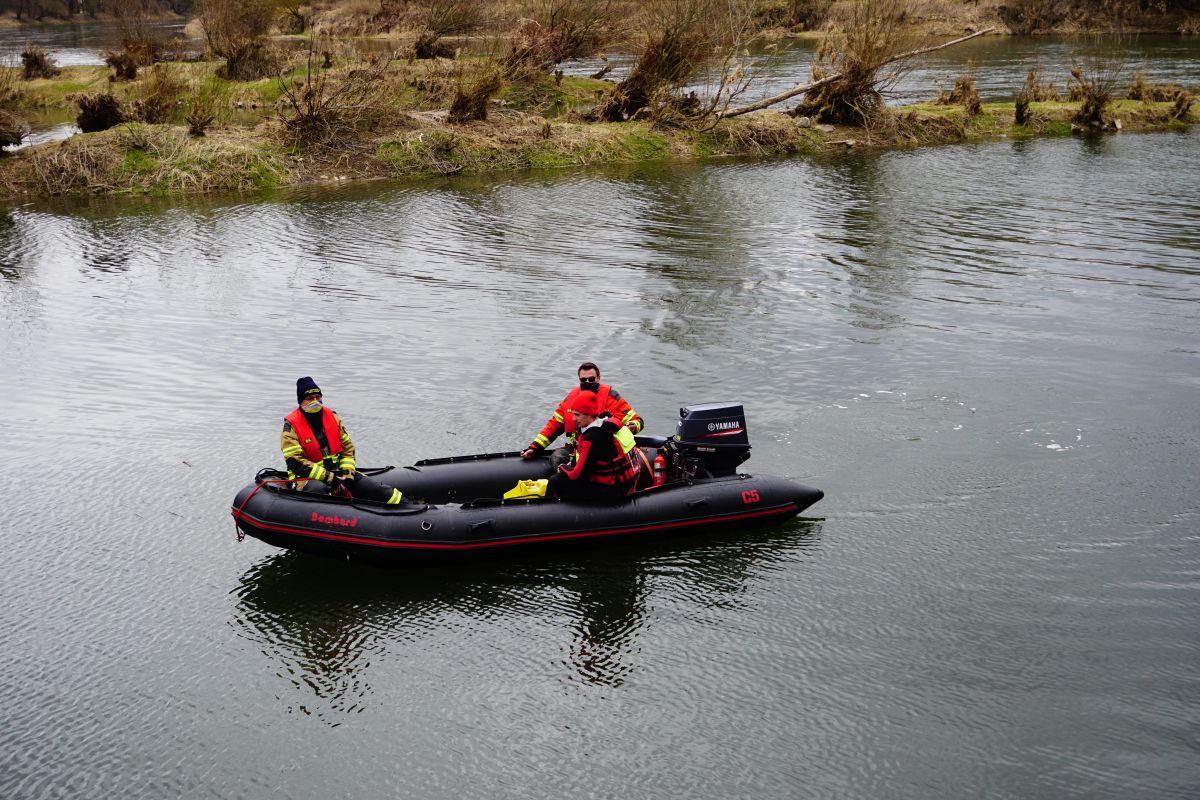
(710,440)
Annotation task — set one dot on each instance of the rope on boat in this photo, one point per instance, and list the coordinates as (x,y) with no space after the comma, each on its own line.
(238,528)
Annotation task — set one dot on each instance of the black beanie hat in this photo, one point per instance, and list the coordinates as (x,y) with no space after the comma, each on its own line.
(304,387)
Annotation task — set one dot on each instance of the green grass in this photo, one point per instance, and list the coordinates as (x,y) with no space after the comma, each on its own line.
(1056,127)
(546,159)
(643,145)
(139,163)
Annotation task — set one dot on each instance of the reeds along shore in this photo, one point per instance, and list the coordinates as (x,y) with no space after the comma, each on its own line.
(260,112)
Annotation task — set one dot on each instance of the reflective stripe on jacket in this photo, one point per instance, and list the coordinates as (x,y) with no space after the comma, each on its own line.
(562,422)
(302,451)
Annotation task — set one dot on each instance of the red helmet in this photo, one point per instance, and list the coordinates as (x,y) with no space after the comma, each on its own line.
(586,403)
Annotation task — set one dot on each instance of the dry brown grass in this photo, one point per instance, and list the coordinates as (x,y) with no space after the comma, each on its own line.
(146,158)
(10,91)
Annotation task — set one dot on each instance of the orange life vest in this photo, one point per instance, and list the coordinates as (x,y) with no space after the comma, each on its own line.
(308,439)
(568,418)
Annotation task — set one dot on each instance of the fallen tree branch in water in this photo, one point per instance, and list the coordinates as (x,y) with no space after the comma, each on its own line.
(808,87)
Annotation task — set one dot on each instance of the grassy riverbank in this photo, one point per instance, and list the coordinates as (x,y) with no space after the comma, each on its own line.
(141,158)
(343,108)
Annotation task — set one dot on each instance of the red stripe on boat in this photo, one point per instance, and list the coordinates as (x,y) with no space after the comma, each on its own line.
(523,540)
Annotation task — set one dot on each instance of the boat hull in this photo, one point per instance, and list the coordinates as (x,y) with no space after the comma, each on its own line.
(370,532)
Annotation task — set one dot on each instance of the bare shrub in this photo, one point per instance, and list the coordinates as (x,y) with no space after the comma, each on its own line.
(12,130)
(437,18)
(965,94)
(98,111)
(799,15)
(139,43)
(561,30)
(235,30)
(37,64)
(206,103)
(1024,17)
(160,92)
(1021,110)
(1038,90)
(1034,90)
(680,37)
(430,45)
(327,107)
(1093,84)
(137,40)
(201,112)
(1139,89)
(474,91)
(858,49)
(295,17)
(124,66)
(1093,98)
(1183,106)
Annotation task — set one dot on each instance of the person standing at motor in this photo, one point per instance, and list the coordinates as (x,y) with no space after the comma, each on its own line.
(611,403)
(607,463)
(319,453)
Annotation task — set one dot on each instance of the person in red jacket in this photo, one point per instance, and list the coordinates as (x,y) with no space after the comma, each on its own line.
(607,464)
(319,453)
(611,403)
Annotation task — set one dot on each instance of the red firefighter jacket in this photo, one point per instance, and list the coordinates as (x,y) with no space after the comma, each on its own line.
(618,409)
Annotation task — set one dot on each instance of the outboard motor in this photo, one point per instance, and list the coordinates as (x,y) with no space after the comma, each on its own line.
(710,441)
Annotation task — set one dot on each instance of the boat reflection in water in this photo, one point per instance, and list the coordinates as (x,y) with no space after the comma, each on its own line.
(325,622)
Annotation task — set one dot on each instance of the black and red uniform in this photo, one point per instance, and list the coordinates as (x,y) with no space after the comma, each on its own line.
(607,465)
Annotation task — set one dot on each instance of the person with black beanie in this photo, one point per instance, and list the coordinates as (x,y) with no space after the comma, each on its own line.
(319,453)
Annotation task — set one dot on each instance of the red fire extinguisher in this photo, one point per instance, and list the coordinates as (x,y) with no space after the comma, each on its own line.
(660,470)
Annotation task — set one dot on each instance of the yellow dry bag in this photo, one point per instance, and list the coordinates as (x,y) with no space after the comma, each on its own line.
(526,488)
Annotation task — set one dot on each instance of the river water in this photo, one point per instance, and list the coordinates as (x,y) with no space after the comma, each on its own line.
(988,356)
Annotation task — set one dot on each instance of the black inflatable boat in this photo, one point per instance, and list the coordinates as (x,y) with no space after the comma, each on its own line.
(460,512)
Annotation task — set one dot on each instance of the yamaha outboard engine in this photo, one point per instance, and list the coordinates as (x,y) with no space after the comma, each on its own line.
(710,441)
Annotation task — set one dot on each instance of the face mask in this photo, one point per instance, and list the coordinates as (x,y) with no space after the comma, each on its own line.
(588,386)
(311,407)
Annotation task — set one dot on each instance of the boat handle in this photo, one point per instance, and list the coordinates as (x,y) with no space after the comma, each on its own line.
(703,501)
(487,523)
(426,524)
